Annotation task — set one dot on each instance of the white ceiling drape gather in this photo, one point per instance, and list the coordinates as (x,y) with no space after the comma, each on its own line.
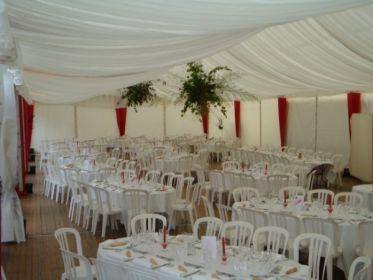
(76,50)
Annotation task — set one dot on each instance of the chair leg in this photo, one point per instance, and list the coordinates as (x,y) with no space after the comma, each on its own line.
(104,224)
(79,214)
(94,222)
(191,218)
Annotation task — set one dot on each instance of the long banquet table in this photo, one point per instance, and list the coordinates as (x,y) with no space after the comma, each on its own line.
(347,220)
(139,264)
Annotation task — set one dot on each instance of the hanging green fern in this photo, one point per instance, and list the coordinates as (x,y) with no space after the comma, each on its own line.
(202,89)
(138,94)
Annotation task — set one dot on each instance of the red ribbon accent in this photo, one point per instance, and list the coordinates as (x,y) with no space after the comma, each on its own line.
(354,106)
(237,117)
(282,118)
(121,120)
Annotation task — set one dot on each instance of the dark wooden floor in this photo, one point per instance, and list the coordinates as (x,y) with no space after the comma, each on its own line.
(39,257)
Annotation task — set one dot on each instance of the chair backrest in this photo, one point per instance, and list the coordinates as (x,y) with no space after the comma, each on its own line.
(213,226)
(238,233)
(320,195)
(188,184)
(244,194)
(365,238)
(318,246)
(106,172)
(166,178)
(62,236)
(310,179)
(103,199)
(136,201)
(277,168)
(273,238)
(247,180)
(351,199)
(76,266)
(361,269)
(291,193)
(224,212)
(152,176)
(287,221)
(276,182)
(209,209)
(216,179)
(231,165)
(327,227)
(255,217)
(110,162)
(146,223)
(178,183)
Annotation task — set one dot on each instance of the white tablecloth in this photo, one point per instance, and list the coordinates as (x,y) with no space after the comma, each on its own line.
(367,191)
(348,226)
(139,267)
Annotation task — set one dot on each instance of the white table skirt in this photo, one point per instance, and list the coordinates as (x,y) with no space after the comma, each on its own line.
(366,191)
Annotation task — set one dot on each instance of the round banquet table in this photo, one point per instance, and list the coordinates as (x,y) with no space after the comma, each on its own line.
(139,264)
(348,224)
(367,191)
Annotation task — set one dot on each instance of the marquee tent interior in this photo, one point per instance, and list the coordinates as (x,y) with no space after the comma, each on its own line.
(301,78)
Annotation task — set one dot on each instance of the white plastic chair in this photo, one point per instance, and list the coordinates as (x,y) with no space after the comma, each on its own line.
(213,226)
(146,223)
(310,180)
(244,194)
(273,238)
(276,182)
(231,165)
(361,269)
(320,195)
(62,236)
(209,209)
(225,212)
(255,217)
(152,177)
(350,199)
(136,202)
(166,178)
(217,185)
(318,246)
(238,233)
(83,271)
(365,247)
(292,193)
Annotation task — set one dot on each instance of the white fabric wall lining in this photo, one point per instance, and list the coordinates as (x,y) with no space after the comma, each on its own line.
(178,125)
(95,122)
(250,123)
(270,125)
(367,103)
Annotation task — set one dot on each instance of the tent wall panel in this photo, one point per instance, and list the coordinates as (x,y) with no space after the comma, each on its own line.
(52,122)
(250,123)
(270,124)
(147,121)
(178,125)
(361,161)
(332,125)
(95,122)
(367,103)
(301,122)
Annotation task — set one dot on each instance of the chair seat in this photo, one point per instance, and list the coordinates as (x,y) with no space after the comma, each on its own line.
(81,273)
(182,206)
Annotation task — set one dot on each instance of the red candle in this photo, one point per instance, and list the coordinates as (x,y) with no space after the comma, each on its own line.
(224,257)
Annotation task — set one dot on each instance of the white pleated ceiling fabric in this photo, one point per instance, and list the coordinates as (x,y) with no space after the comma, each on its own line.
(75,50)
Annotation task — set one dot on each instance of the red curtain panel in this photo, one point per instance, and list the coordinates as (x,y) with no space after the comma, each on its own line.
(237,117)
(205,122)
(354,105)
(282,118)
(121,120)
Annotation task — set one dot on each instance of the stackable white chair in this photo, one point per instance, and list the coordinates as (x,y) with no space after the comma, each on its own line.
(273,238)
(104,173)
(225,212)
(209,209)
(277,168)
(110,162)
(310,180)
(350,199)
(361,269)
(238,233)
(319,246)
(292,193)
(136,202)
(338,166)
(365,247)
(126,175)
(104,209)
(247,180)
(243,194)
(62,237)
(83,271)
(186,205)
(146,223)
(166,178)
(276,182)
(152,177)
(68,174)
(213,226)
(256,218)
(231,165)
(320,195)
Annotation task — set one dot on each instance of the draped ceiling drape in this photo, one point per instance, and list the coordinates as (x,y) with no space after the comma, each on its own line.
(121,114)
(79,49)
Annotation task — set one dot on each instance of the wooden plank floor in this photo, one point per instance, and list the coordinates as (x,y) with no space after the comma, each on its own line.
(39,258)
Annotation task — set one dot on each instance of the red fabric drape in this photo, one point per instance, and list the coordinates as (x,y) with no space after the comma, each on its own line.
(205,122)
(282,117)
(237,117)
(354,105)
(26,117)
(121,120)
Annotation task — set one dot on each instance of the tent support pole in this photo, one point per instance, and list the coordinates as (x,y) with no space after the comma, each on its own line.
(316,105)
(75,122)
(260,122)
(164,119)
